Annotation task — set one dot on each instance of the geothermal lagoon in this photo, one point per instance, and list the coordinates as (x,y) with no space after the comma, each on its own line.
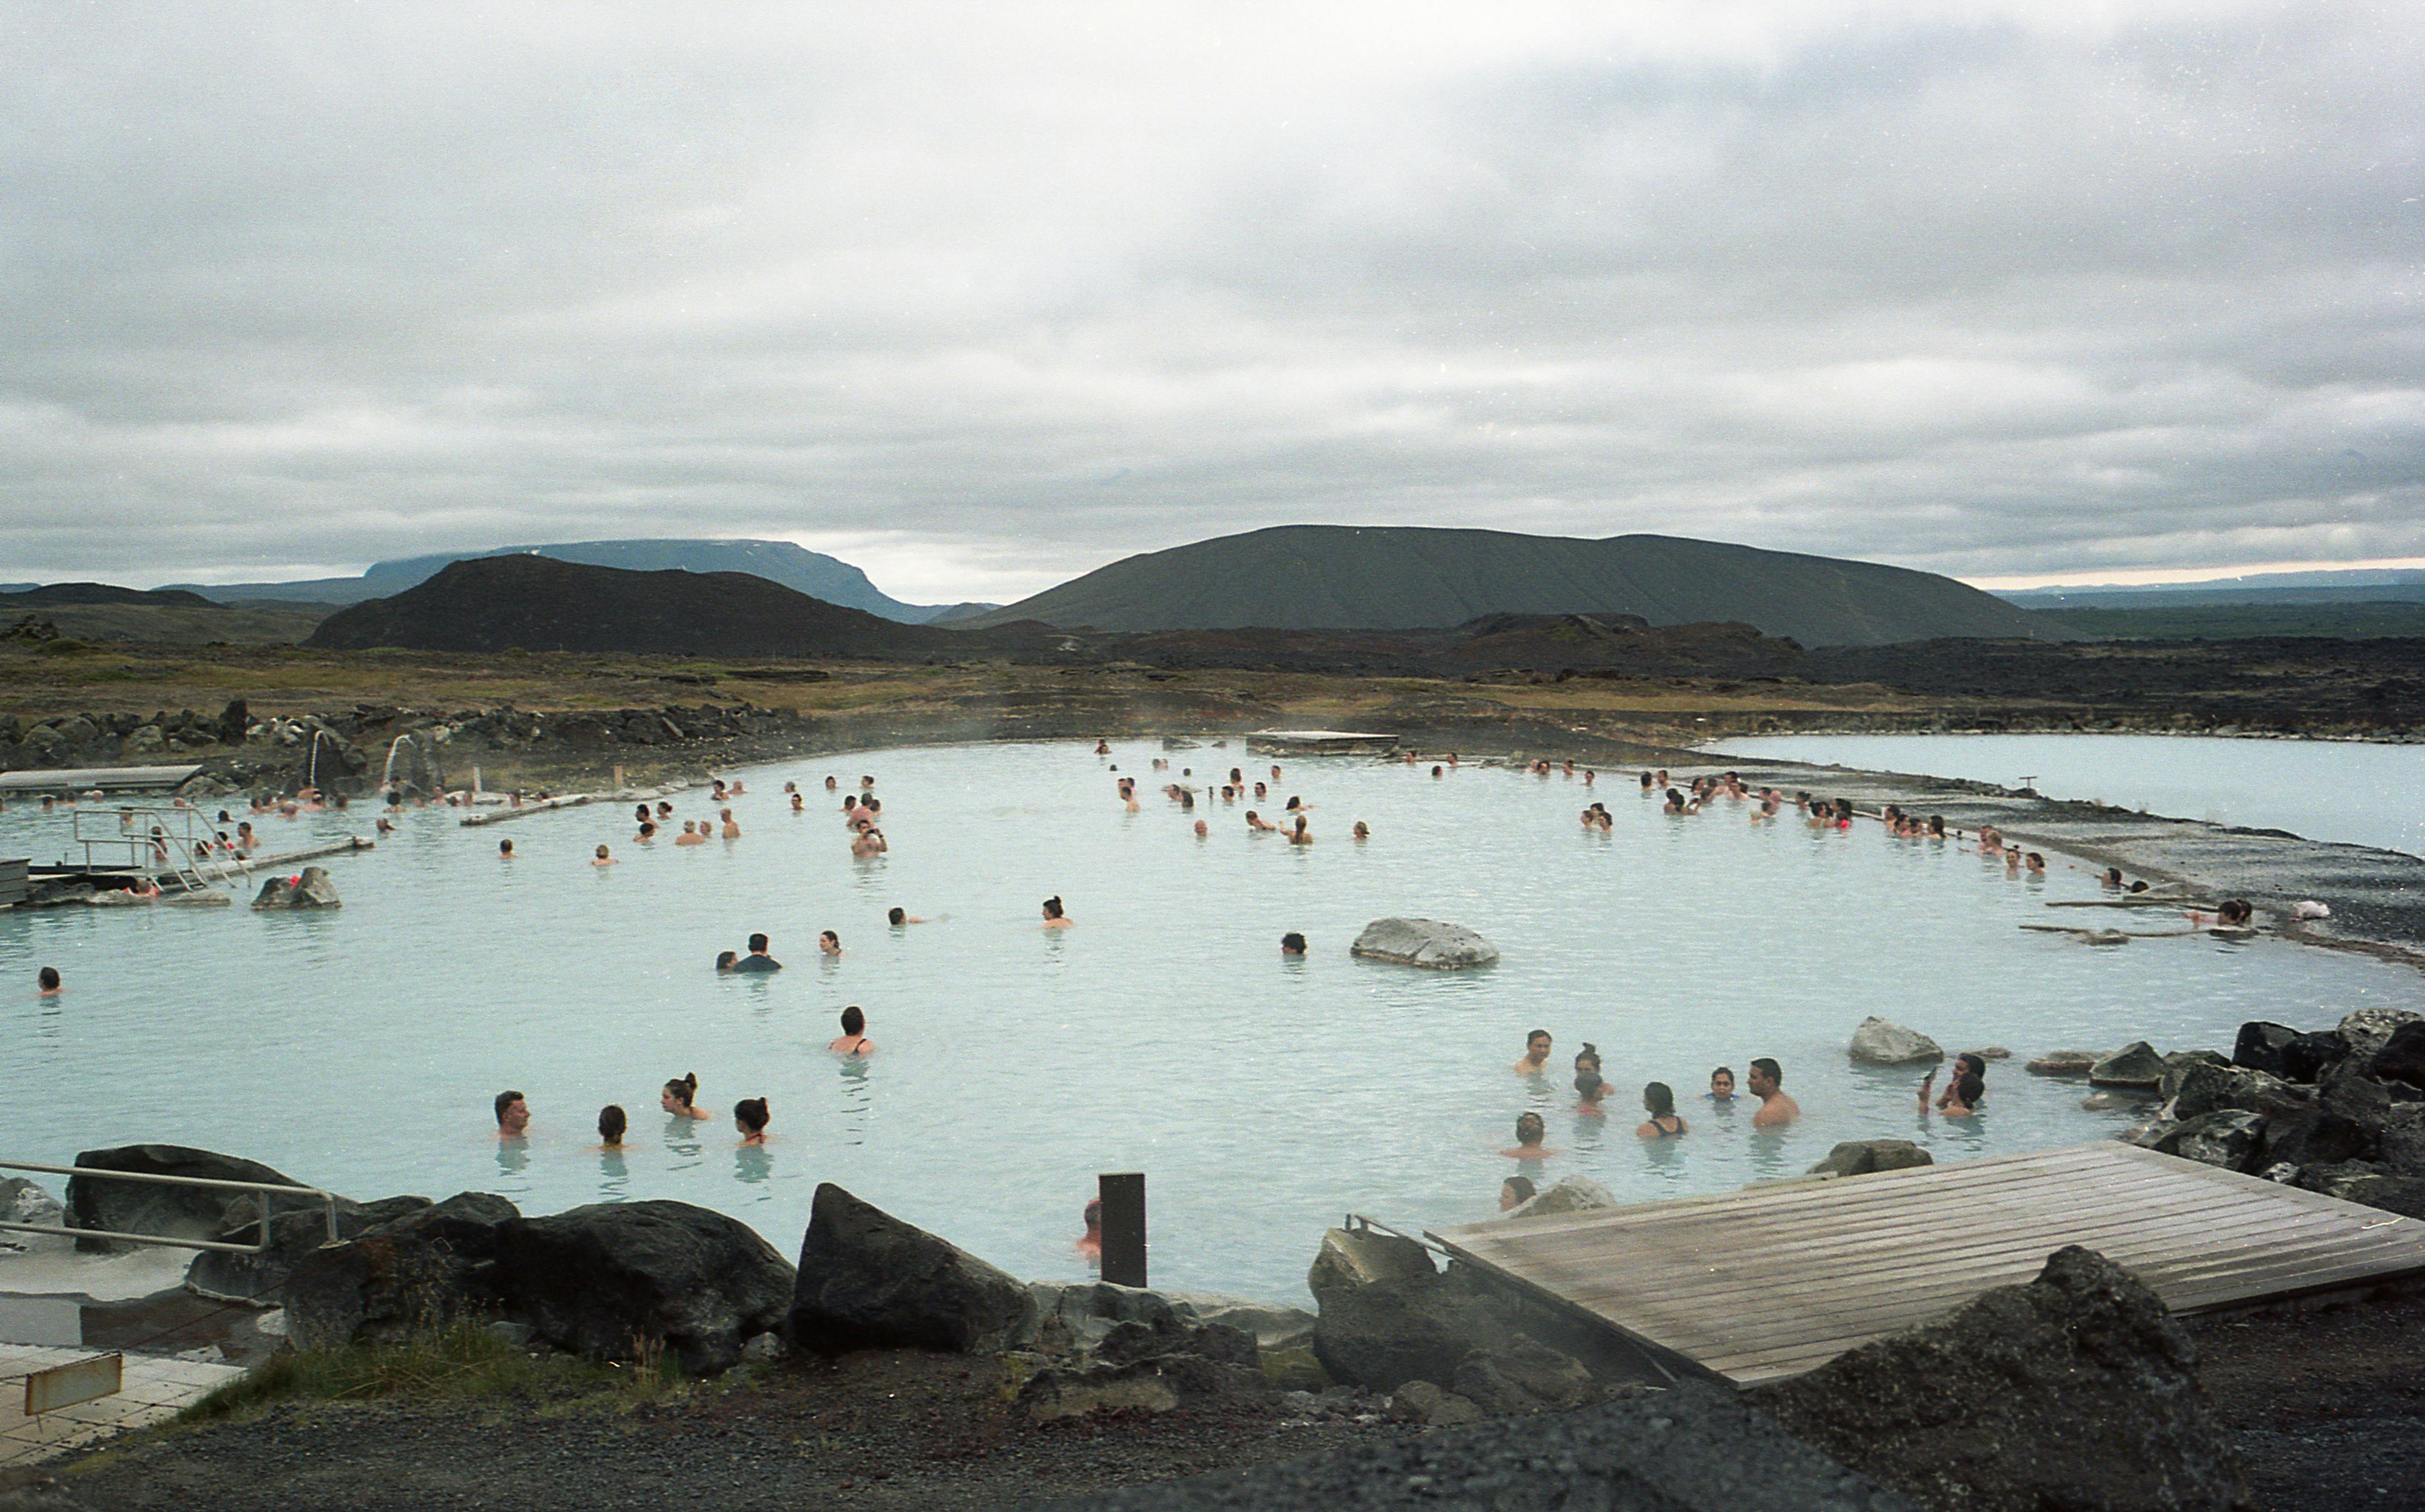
(360,1048)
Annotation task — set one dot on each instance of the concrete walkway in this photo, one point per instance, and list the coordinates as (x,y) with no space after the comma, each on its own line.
(155,1388)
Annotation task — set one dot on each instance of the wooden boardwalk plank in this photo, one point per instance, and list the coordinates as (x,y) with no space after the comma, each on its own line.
(1772,1282)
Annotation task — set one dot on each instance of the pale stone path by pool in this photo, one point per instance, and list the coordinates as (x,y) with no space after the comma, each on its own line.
(155,1388)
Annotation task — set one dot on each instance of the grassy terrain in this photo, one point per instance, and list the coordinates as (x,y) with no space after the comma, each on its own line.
(179,624)
(461,1361)
(2241,622)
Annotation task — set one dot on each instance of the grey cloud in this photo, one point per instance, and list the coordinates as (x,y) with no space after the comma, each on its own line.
(987,299)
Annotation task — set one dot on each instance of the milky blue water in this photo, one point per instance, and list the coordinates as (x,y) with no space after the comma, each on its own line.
(1164,1033)
(2357,793)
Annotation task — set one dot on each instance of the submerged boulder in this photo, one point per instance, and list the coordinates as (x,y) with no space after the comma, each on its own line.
(1860,1157)
(606,1280)
(1424,943)
(307,888)
(868,1280)
(2064,1063)
(1878,1043)
(171,1212)
(1572,1194)
(2134,1065)
(2076,1391)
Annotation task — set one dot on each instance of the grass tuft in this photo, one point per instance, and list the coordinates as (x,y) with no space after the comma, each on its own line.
(462,1359)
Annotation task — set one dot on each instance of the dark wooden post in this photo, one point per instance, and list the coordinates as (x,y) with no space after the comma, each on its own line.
(1123,1197)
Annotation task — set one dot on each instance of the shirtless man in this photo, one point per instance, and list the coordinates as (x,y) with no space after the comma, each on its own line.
(1537,1054)
(513,1115)
(690,835)
(1766,1080)
(731,830)
(869,841)
(1529,1133)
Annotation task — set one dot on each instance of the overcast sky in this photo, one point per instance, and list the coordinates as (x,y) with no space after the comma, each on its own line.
(983,297)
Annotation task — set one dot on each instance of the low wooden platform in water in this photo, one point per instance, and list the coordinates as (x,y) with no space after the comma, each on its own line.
(1751,1286)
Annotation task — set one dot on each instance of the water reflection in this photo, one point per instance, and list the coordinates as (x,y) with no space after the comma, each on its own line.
(613,1174)
(1766,1148)
(753,1163)
(682,1140)
(513,1156)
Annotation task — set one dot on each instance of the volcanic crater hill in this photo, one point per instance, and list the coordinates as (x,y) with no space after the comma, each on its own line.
(493,604)
(1405,577)
(1607,644)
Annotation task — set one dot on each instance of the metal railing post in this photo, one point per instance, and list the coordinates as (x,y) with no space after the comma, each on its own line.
(263,1189)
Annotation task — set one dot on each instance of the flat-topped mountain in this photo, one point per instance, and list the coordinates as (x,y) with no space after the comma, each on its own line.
(1405,577)
(490,604)
(814,573)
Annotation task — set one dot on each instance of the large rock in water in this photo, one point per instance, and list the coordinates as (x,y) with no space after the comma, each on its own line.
(1424,943)
(2135,1064)
(1572,1194)
(1863,1157)
(1877,1042)
(308,889)
(599,1279)
(2074,1392)
(407,1276)
(172,1212)
(868,1280)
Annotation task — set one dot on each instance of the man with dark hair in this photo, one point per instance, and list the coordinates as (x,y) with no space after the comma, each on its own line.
(1537,1054)
(513,1115)
(1292,944)
(1767,1083)
(757,960)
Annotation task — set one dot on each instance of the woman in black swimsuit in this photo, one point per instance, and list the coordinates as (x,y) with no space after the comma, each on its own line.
(1659,1100)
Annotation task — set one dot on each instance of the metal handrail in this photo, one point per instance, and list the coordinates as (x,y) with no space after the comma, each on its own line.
(264,1188)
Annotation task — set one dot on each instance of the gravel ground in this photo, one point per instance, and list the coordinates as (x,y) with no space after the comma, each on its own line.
(873,1431)
(2327,1405)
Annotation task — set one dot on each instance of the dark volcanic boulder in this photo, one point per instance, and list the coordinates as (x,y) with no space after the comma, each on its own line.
(2305,1057)
(2401,1058)
(1155,1383)
(1170,1335)
(2134,1065)
(868,1280)
(1860,1157)
(2204,1088)
(2074,1392)
(2261,1045)
(1388,1333)
(407,1276)
(2315,1137)
(297,1231)
(1524,1375)
(2368,1185)
(2226,1138)
(307,888)
(599,1279)
(174,1212)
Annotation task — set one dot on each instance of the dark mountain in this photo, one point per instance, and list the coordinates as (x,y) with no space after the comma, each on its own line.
(52,595)
(490,604)
(777,561)
(1395,577)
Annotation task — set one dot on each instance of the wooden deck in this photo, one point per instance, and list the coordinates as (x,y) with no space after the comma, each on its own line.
(1751,1286)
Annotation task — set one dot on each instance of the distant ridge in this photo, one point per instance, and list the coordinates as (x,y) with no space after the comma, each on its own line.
(491,603)
(46,595)
(2356,585)
(1405,577)
(814,573)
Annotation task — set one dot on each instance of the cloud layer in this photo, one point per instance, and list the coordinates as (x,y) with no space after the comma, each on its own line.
(981,298)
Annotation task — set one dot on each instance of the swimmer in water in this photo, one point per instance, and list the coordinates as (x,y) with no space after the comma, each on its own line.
(690,835)
(612,1121)
(723,961)
(1053,916)
(716,790)
(2037,864)
(799,805)
(1300,835)
(513,1115)
(869,841)
(1362,831)
(648,832)
(1440,771)
(1591,1087)
(1961,1097)
(831,784)
(1722,1086)
(1256,822)
(854,1040)
(46,982)
(1529,1133)
(603,859)
(2234,914)
(1102,747)
(1292,944)
(678,1095)
(384,828)
(1537,1054)
(1768,1084)
(1262,790)
(1090,1244)
(897,917)
(1202,829)
(1660,1102)
(1515,1192)
(1648,786)
(506,850)
(750,1115)
(829,944)
(758,961)
(731,830)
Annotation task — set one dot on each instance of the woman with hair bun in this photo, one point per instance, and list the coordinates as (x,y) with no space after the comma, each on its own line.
(1055,918)
(749,1117)
(678,1095)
